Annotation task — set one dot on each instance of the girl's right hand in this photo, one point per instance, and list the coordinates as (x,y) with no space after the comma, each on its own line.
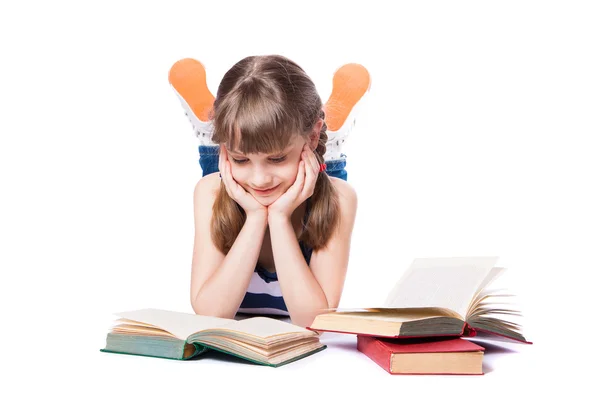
(250,205)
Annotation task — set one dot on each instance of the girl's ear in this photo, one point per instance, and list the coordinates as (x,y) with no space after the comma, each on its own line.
(315,135)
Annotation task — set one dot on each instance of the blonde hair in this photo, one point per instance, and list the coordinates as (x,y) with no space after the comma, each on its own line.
(262,104)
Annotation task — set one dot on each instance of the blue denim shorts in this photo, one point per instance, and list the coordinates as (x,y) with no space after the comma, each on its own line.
(209,162)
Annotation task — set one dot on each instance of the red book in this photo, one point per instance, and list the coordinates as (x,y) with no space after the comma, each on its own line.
(453,356)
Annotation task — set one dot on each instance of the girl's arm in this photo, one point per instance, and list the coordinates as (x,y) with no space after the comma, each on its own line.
(219,282)
(307,291)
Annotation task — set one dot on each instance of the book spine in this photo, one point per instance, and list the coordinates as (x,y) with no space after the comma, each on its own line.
(375,351)
(468,331)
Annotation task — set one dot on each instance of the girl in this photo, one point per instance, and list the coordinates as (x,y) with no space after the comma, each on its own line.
(272,228)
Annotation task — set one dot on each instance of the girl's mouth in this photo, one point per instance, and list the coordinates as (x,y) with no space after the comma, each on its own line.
(265,192)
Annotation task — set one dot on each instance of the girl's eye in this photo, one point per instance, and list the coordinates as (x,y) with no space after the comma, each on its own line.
(278,160)
(239,161)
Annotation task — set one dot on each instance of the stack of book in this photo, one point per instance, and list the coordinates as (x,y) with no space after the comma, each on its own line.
(422,327)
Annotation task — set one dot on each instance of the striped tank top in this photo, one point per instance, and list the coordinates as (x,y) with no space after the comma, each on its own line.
(263,295)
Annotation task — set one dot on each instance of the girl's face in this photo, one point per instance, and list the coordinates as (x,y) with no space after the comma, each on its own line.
(267,176)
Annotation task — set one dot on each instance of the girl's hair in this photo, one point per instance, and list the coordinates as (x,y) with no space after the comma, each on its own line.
(262,104)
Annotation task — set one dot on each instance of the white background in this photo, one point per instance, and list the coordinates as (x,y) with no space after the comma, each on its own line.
(479,137)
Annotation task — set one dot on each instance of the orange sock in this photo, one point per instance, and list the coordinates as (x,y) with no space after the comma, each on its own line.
(350,84)
(188,79)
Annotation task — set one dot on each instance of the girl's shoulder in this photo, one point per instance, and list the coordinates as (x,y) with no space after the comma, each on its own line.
(347,194)
(206,189)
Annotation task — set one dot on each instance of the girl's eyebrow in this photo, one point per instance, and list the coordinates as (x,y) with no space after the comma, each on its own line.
(279,153)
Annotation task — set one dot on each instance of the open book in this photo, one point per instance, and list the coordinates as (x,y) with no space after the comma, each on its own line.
(435,297)
(176,335)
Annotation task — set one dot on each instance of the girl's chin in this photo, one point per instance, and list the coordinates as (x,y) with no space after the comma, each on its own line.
(267,201)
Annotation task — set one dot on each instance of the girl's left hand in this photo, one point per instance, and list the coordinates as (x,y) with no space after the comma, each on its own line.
(302,189)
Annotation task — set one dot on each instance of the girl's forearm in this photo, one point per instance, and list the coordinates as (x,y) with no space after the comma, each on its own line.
(222,293)
(303,295)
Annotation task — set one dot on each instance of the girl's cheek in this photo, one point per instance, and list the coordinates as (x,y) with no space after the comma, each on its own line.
(236,173)
(293,172)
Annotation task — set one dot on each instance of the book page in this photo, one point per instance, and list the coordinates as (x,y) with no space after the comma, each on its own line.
(494,273)
(179,324)
(266,327)
(441,282)
(385,314)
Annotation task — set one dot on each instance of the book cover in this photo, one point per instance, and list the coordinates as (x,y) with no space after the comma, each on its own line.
(452,356)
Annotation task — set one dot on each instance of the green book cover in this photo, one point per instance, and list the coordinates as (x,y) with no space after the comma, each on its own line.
(201,349)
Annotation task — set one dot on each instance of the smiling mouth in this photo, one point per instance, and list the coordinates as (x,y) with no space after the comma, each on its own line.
(266,191)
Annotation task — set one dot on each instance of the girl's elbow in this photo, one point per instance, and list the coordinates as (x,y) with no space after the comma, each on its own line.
(202,309)
(196,308)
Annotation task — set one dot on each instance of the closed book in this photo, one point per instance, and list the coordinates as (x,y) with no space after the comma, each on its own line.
(430,356)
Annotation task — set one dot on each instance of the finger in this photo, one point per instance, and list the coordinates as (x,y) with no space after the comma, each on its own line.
(230,183)
(236,188)
(225,179)
(221,159)
(313,168)
(227,175)
(309,157)
(299,183)
(309,184)
(313,161)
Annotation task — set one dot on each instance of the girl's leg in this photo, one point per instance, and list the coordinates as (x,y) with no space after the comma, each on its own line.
(351,82)
(337,168)
(209,159)
(188,79)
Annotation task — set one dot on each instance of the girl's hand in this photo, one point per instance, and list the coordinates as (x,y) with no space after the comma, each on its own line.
(302,189)
(234,190)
